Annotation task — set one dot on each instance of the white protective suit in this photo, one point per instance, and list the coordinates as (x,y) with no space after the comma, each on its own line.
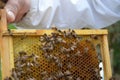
(72,14)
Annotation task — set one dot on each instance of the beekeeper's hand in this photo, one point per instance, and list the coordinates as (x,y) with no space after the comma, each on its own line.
(16,9)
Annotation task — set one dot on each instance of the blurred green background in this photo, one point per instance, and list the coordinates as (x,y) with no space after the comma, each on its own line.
(114,46)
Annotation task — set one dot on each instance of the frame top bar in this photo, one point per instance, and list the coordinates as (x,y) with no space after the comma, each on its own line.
(41,32)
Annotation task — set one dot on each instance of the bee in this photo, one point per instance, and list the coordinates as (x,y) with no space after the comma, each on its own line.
(113,78)
(54,35)
(71,34)
(97,73)
(51,48)
(44,78)
(52,77)
(45,55)
(60,40)
(67,73)
(42,39)
(59,74)
(48,47)
(60,31)
(22,53)
(69,66)
(86,49)
(44,73)
(14,74)
(88,40)
(24,36)
(94,37)
(44,48)
(73,47)
(55,58)
(24,58)
(19,73)
(31,79)
(70,77)
(79,38)
(22,65)
(35,57)
(54,28)
(74,43)
(78,53)
(64,34)
(100,61)
(46,38)
(78,78)
(68,55)
(74,34)
(52,38)
(64,50)
(8,78)
(29,64)
(45,35)
(10,33)
(68,33)
(60,64)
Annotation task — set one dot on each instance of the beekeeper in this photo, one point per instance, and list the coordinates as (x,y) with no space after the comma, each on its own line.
(42,14)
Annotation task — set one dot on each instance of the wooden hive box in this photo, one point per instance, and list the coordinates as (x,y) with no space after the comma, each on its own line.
(13,41)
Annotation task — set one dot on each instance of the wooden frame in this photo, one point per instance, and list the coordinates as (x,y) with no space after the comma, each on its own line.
(6,45)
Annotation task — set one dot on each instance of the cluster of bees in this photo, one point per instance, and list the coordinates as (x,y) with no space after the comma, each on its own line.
(48,46)
(23,65)
(50,42)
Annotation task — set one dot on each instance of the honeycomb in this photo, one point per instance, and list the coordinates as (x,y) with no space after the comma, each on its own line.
(82,67)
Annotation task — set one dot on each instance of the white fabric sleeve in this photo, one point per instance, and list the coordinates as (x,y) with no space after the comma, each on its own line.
(73,14)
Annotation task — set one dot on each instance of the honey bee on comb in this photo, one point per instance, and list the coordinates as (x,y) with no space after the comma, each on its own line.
(112,78)
(69,65)
(95,37)
(59,74)
(14,74)
(8,78)
(23,65)
(22,53)
(31,79)
(78,78)
(97,73)
(54,28)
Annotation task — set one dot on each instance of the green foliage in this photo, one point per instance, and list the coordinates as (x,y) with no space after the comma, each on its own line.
(11,26)
(114,43)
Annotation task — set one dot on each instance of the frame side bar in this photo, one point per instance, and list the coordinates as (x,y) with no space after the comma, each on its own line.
(106,58)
